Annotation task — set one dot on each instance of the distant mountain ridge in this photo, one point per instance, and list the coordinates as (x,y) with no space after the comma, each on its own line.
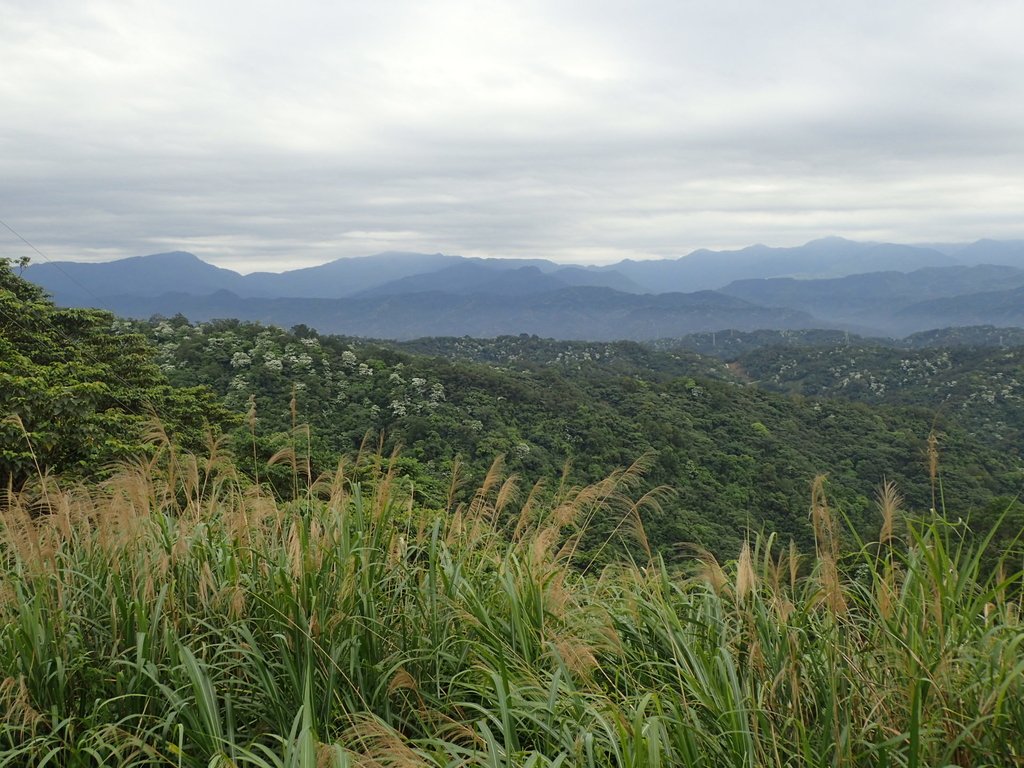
(479,276)
(825,258)
(71,282)
(871,288)
(599,314)
(897,302)
(700,270)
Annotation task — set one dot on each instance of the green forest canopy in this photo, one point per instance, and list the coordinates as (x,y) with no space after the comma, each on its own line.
(77,392)
(85,388)
(735,456)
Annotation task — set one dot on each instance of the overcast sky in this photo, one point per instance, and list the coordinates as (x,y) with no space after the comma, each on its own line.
(269,135)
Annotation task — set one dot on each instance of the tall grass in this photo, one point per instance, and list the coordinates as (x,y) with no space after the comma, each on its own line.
(177,616)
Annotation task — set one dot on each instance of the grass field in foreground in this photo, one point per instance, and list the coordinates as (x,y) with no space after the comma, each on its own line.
(182,617)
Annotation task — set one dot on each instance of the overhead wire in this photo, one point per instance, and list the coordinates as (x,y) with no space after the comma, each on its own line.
(65,337)
(55,264)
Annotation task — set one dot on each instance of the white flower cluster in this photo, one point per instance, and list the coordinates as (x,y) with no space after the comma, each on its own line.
(163,330)
(302,360)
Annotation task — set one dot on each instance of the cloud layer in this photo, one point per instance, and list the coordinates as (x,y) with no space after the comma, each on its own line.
(269,135)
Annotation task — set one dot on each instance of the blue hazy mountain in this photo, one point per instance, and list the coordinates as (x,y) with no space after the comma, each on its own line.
(75,283)
(342,277)
(877,300)
(569,313)
(1003,308)
(494,276)
(384,273)
(863,287)
(179,272)
(411,272)
(1008,252)
(824,258)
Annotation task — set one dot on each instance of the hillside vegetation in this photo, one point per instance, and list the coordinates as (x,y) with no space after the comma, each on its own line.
(177,616)
(983,386)
(735,457)
(225,544)
(727,457)
(75,394)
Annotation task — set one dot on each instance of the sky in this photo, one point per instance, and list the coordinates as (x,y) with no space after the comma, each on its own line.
(273,135)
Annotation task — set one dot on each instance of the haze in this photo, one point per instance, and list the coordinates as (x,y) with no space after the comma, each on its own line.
(267,135)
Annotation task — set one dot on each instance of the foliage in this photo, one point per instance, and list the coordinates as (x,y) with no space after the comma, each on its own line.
(731,344)
(620,358)
(75,393)
(181,617)
(967,336)
(981,387)
(737,457)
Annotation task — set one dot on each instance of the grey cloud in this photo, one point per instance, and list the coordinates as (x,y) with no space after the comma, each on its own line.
(280,135)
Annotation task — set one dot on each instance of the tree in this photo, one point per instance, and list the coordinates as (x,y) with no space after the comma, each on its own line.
(77,393)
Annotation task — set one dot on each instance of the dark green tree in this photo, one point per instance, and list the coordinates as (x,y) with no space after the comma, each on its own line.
(77,392)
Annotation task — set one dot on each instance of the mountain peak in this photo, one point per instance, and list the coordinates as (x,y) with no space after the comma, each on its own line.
(830,240)
(170,257)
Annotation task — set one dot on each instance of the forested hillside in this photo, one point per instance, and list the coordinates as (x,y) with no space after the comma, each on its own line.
(228,544)
(983,388)
(732,457)
(735,457)
(974,375)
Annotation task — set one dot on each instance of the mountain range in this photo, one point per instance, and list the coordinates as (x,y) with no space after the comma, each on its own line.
(876,288)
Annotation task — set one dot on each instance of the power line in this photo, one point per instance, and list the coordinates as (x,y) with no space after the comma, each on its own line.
(56,265)
(81,349)
(26,242)
(59,332)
